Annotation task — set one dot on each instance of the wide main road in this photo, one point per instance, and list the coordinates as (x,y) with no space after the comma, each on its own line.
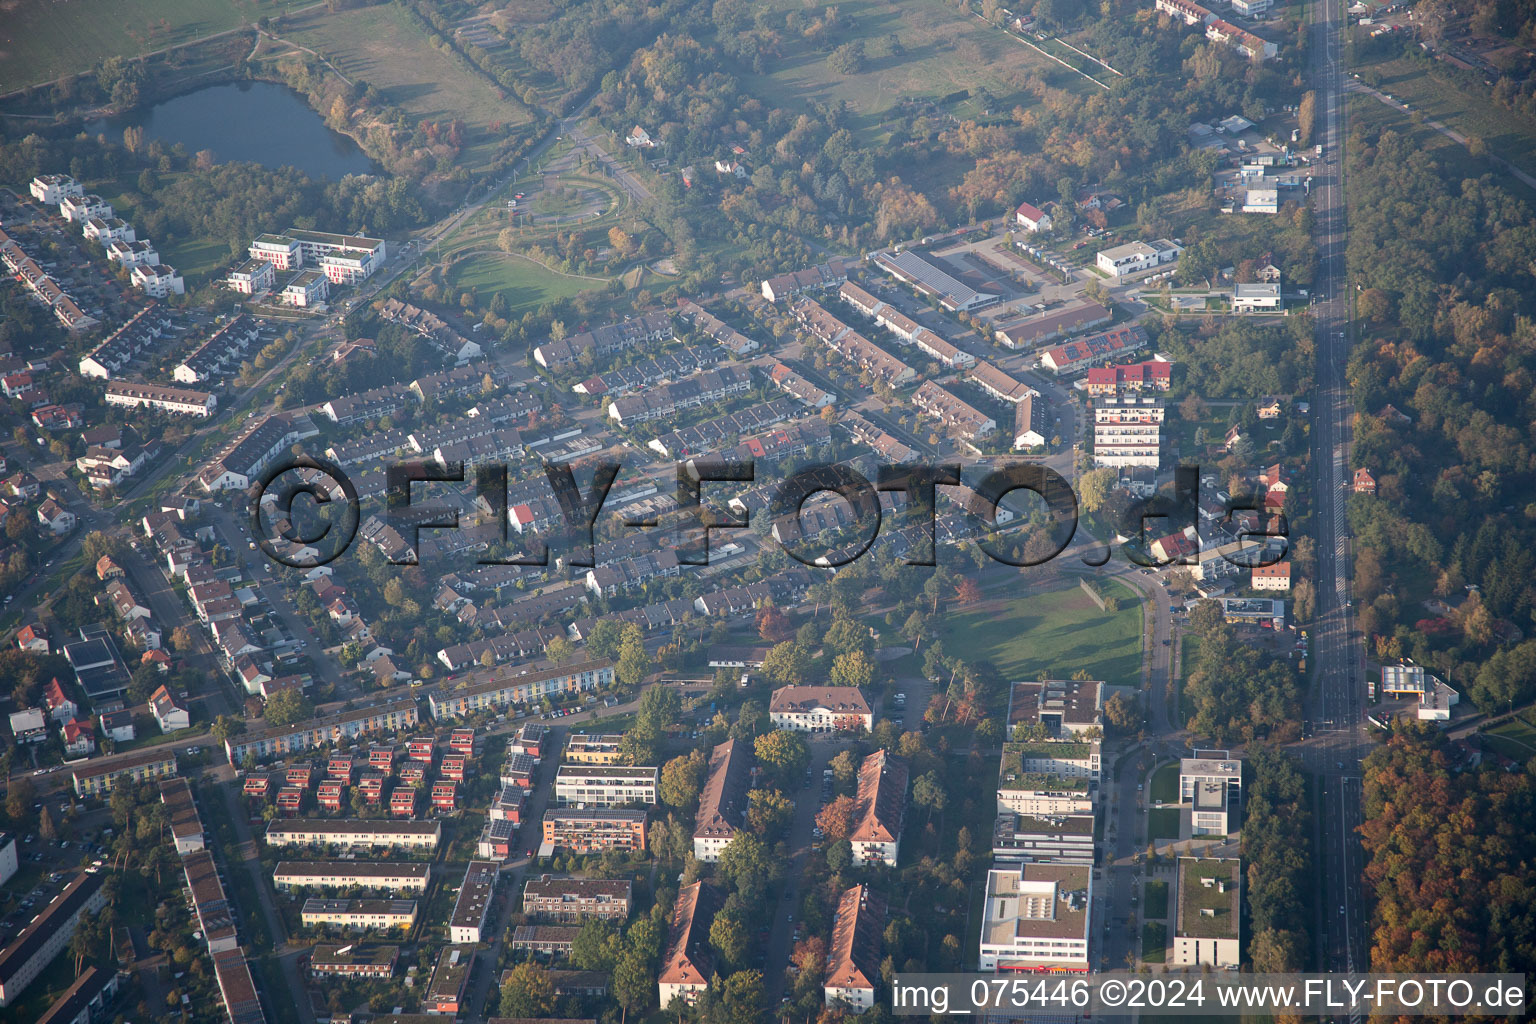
(1337,695)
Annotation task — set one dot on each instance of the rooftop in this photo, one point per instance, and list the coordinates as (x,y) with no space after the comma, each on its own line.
(1205,911)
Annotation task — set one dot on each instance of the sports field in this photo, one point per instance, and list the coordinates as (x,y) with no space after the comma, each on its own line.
(1058,633)
(41,41)
(526,284)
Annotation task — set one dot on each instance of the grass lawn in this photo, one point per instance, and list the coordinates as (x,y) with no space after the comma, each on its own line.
(1187,658)
(943,51)
(1154,939)
(525,284)
(43,41)
(1514,739)
(1163,823)
(1165,784)
(1057,633)
(382,46)
(1157,900)
(1455,158)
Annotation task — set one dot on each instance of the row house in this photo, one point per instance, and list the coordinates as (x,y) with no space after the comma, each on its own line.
(161,398)
(817,278)
(524,689)
(904,327)
(604,341)
(851,345)
(954,413)
(721,333)
(669,399)
(713,434)
(792,383)
(667,366)
(220,353)
(263,744)
(137,335)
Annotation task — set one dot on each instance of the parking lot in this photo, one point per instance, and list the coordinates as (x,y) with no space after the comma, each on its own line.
(44,868)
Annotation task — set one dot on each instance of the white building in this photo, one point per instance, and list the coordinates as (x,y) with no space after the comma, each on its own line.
(358,915)
(473,904)
(307,288)
(157,280)
(47,935)
(1207,918)
(1135,257)
(77,209)
(53,189)
(108,229)
(253,277)
(1127,431)
(178,401)
(1253,8)
(1032,218)
(1261,200)
(820,709)
(1043,793)
(591,785)
(1247,298)
(1036,919)
(139,253)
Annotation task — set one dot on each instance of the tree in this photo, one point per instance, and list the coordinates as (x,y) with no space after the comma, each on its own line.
(783,752)
(847,634)
(928,792)
(1306,117)
(559,650)
(747,864)
(728,936)
(1093,488)
(596,947)
(836,819)
(224,727)
(769,812)
(848,59)
(181,639)
(968,591)
(787,664)
(852,669)
(96,545)
(45,824)
(634,663)
(287,707)
(1123,713)
(633,982)
(527,992)
(773,625)
(681,779)
(18,799)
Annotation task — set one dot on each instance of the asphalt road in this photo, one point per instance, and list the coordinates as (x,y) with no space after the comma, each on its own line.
(1336,705)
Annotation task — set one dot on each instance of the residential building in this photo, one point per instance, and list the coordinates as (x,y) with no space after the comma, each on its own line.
(168,712)
(353,961)
(664,400)
(186,824)
(584,748)
(161,398)
(1240,39)
(1247,298)
(473,905)
(853,960)
(47,935)
(9,862)
(1128,431)
(372,875)
(1363,482)
(1207,927)
(575,900)
(105,230)
(605,785)
(525,689)
(355,833)
(1135,257)
(547,939)
(85,1001)
(1032,218)
(263,744)
(880,806)
(723,800)
(221,352)
(53,189)
(305,289)
(1187,12)
(1272,577)
(77,209)
(358,915)
(1253,8)
(498,840)
(687,965)
(1072,759)
(592,830)
(820,709)
(817,278)
(157,280)
(1155,374)
(1095,350)
(215,918)
(60,707)
(606,340)
(1043,793)
(1050,838)
(449,982)
(98,777)
(956,415)
(29,725)
(254,277)
(852,346)
(237,990)
(1063,707)
(118,726)
(1035,919)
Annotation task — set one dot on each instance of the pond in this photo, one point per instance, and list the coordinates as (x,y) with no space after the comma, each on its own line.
(255,122)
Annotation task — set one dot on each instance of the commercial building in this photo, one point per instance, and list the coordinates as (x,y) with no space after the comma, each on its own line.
(355,832)
(1053,838)
(374,875)
(48,934)
(880,806)
(929,279)
(1037,330)
(820,709)
(1211,782)
(97,779)
(358,915)
(1208,917)
(605,785)
(473,905)
(214,916)
(1259,200)
(723,800)
(1127,431)
(1265,612)
(449,981)
(853,961)
(687,964)
(264,744)
(1135,257)
(161,398)
(592,830)
(562,900)
(1036,919)
(354,961)
(525,689)
(1064,707)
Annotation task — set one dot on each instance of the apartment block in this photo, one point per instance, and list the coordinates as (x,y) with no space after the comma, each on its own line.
(526,689)
(561,900)
(353,961)
(592,830)
(723,800)
(97,779)
(48,934)
(473,905)
(355,832)
(264,744)
(359,915)
(605,785)
(1036,919)
(373,875)
(853,961)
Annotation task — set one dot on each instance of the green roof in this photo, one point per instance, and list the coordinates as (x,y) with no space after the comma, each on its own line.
(1040,780)
(1047,749)
(1195,897)
(1075,824)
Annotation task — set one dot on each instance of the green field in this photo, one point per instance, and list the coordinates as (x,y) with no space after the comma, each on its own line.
(944,51)
(1055,633)
(1154,939)
(1165,784)
(1163,823)
(382,46)
(526,284)
(1514,739)
(43,41)
(1156,894)
(1422,85)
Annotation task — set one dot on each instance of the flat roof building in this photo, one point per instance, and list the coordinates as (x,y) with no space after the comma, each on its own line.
(377,875)
(1208,916)
(358,915)
(1064,707)
(1036,919)
(355,832)
(1049,838)
(592,830)
(473,905)
(563,900)
(353,961)
(48,934)
(579,785)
